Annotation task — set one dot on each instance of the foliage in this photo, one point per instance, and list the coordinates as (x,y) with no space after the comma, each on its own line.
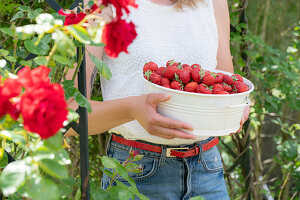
(275,74)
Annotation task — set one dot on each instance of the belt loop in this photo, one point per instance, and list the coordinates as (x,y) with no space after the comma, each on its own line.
(200,153)
(162,158)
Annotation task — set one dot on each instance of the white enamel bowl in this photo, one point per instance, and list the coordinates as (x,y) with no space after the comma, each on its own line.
(210,115)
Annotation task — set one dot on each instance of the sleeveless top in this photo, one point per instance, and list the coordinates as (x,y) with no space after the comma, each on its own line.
(163,33)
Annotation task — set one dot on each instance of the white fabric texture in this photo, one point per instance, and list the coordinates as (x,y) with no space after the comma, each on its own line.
(163,33)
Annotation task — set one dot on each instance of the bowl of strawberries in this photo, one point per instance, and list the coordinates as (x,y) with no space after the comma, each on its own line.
(212,101)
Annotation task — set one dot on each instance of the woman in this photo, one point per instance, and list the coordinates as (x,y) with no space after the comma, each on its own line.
(190,31)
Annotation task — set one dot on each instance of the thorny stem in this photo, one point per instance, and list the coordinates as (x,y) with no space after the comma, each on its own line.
(15,54)
(78,63)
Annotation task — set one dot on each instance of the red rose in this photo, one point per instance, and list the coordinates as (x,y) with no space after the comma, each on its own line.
(11,88)
(121,4)
(95,7)
(72,18)
(117,36)
(29,78)
(44,109)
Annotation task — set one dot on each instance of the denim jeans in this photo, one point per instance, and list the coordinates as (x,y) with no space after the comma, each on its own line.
(169,178)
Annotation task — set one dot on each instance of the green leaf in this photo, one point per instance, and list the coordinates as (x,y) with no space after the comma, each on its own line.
(68,84)
(18,15)
(31,14)
(42,188)
(66,186)
(41,60)
(3,160)
(24,8)
(13,136)
(90,3)
(62,157)
(108,173)
(97,44)
(79,33)
(65,45)
(78,194)
(134,190)
(41,49)
(63,60)
(13,176)
(3,52)
(123,192)
(53,168)
(26,63)
(82,101)
(55,142)
(11,58)
(99,194)
(101,66)
(108,163)
(70,92)
(7,31)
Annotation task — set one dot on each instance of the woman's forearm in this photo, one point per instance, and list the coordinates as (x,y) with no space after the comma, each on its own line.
(106,115)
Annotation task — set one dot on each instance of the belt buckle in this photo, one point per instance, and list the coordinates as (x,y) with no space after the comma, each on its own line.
(168,151)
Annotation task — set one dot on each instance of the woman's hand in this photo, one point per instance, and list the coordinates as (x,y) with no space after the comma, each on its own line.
(244,118)
(144,111)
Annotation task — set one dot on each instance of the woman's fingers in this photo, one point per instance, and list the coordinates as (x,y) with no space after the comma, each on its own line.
(170,123)
(168,133)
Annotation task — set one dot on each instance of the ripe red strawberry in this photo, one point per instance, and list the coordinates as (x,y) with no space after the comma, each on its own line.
(170,72)
(167,86)
(183,76)
(197,74)
(206,72)
(191,87)
(152,66)
(226,87)
(172,63)
(195,66)
(208,79)
(187,67)
(237,77)
(165,81)
(221,92)
(155,78)
(227,79)
(232,92)
(160,71)
(219,78)
(176,85)
(240,87)
(146,77)
(217,87)
(202,88)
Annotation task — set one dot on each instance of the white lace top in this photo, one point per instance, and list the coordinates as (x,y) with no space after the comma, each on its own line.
(189,36)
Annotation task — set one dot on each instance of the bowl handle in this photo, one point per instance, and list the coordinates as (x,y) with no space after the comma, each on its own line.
(248,103)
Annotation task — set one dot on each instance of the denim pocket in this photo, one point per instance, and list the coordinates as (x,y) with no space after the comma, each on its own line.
(211,160)
(147,164)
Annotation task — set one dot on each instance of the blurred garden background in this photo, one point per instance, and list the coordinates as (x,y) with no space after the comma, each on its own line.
(261,162)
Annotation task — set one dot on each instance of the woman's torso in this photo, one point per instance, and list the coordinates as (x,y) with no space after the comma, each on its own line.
(189,36)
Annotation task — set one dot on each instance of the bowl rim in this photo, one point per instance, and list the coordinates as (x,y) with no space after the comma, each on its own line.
(206,95)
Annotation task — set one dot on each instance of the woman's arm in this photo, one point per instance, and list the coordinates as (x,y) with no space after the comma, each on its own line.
(224,58)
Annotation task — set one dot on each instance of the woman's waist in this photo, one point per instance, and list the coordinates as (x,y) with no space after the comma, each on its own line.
(134,131)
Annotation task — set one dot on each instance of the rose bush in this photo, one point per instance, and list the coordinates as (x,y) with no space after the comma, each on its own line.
(33,94)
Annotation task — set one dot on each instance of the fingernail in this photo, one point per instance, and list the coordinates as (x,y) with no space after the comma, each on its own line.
(167,95)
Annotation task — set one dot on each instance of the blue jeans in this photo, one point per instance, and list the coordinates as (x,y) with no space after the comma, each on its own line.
(165,178)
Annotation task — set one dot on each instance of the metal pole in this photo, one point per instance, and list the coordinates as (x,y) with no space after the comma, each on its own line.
(83,133)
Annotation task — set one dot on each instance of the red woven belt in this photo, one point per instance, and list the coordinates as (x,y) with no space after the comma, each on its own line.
(171,152)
